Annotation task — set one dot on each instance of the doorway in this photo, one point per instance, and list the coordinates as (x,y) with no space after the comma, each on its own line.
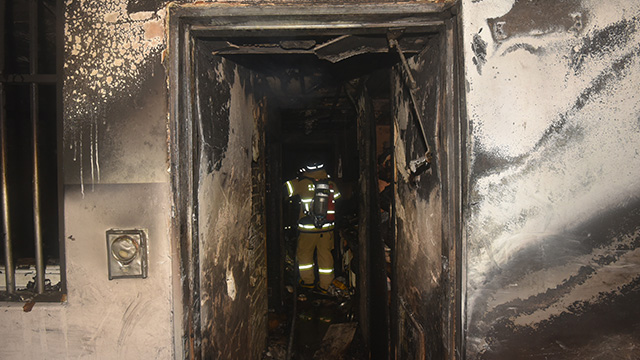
(255,91)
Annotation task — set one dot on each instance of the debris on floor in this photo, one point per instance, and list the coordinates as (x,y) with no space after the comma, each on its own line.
(324,329)
(336,341)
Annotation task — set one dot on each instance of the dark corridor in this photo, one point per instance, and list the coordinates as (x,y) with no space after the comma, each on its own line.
(332,113)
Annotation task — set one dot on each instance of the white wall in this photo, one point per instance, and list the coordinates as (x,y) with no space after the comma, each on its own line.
(102,319)
(554,154)
(115,175)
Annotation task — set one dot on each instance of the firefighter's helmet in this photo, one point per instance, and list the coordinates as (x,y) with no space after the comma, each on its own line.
(313,166)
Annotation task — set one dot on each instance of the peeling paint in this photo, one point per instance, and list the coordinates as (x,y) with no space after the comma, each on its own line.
(231,285)
(103,39)
(107,51)
(534,18)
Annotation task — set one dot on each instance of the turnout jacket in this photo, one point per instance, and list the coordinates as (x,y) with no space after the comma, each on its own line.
(304,186)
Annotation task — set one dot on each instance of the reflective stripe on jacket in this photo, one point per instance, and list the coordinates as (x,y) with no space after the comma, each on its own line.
(305,188)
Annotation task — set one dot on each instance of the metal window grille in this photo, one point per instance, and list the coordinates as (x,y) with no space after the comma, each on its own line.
(30,135)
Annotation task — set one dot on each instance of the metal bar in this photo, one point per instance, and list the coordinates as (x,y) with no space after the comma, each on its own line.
(33,67)
(6,228)
(59,138)
(3,11)
(28,78)
(393,43)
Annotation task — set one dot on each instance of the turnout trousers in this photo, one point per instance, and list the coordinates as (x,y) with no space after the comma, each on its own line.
(322,243)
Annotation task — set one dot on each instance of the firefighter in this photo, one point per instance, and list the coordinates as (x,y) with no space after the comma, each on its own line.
(316,221)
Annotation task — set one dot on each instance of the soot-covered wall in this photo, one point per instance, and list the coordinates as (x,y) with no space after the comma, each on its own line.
(419,207)
(231,191)
(553,221)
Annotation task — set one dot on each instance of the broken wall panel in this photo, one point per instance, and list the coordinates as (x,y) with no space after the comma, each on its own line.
(553,222)
(419,207)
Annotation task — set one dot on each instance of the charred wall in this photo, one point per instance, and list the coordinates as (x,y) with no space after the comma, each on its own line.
(232,262)
(258,231)
(230,209)
(419,207)
(553,220)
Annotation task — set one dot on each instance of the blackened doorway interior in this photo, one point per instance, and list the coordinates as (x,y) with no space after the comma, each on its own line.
(233,74)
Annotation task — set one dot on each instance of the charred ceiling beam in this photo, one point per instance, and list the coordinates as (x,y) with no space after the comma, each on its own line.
(266,48)
(335,49)
(347,46)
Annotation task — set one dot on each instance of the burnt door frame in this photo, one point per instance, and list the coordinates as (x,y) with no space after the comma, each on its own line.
(192,21)
(449,146)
